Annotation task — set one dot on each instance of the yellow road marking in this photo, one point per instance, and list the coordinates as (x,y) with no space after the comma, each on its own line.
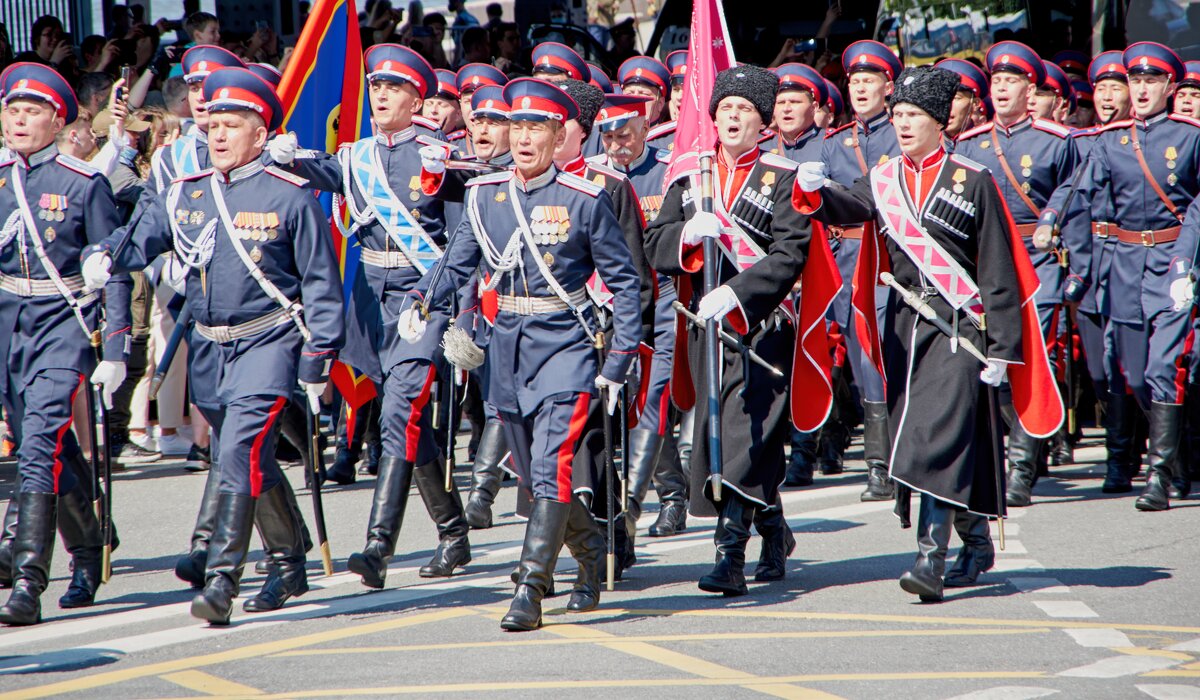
(793,692)
(494,686)
(241,653)
(716,636)
(202,682)
(1171,673)
(1145,651)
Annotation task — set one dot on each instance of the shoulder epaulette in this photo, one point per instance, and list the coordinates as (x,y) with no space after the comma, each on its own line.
(577,183)
(1081,133)
(1114,125)
(7,163)
(843,127)
(597,159)
(1051,127)
(972,133)
(775,160)
(967,162)
(661,130)
(79,166)
(490,178)
(456,135)
(286,176)
(194,176)
(662,156)
(766,135)
(425,122)
(605,170)
(1184,119)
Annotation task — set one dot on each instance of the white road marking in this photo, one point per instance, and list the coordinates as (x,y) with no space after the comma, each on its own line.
(1039,584)
(1100,638)
(1118,666)
(1006,692)
(1065,608)
(1170,692)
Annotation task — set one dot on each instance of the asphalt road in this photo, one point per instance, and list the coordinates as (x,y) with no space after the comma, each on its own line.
(1090,599)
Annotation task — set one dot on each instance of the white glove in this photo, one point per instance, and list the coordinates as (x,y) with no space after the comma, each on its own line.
(1183,293)
(174,274)
(109,376)
(433,159)
(702,225)
(410,325)
(97,270)
(283,148)
(314,392)
(716,304)
(810,176)
(608,392)
(993,374)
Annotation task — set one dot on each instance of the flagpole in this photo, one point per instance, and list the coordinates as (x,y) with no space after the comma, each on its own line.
(712,344)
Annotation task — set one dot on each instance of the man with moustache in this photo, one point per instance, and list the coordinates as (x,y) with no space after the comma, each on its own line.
(277,323)
(539,234)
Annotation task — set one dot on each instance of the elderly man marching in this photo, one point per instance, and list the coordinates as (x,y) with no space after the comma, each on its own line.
(940,207)
(48,319)
(752,191)
(401,230)
(539,234)
(263,286)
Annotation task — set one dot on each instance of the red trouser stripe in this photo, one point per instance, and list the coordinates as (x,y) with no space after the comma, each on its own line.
(58,438)
(1181,362)
(566,452)
(412,431)
(256,449)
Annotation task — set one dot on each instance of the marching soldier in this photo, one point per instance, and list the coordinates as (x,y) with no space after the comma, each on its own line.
(470,78)
(1053,98)
(48,320)
(751,189)
(653,453)
(796,136)
(968,99)
(830,112)
(600,79)
(1187,94)
(187,156)
(1031,159)
(401,230)
(556,62)
(647,77)
(950,208)
(540,234)
(277,323)
(1151,167)
(662,136)
(850,152)
(443,108)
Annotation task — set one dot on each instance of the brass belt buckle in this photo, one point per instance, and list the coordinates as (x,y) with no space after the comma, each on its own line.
(1148,239)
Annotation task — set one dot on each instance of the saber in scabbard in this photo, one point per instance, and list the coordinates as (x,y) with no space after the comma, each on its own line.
(101,466)
(712,343)
(730,341)
(610,554)
(318,468)
(926,312)
(168,357)
(451,425)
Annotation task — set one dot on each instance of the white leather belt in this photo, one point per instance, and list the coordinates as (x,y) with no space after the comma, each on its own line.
(390,260)
(25,287)
(228,334)
(528,306)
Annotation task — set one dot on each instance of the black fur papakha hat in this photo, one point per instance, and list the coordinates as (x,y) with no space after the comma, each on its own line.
(930,89)
(752,83)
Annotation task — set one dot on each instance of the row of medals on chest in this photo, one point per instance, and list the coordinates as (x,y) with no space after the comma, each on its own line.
(1171,155)
(256,227)
(548,223)
(52,208)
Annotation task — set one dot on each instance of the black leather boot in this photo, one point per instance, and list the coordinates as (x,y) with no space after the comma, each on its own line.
(190,567)
(643,457)
(1121,461)
(1023,454)
(831,444)
(446,510)
(387,513)
(349,448)
(7,536)
(976,555)
(226,558)
(585,540)
(1189,445)
(1062,447)
(543,540)
(778,543)
(374,454)
(283,542)
(82,537)
(622,545)
(486,475)
(1166,421)
(802,459)
(671,482)
(32,549)
(733,532)
(934,524)
(877,449)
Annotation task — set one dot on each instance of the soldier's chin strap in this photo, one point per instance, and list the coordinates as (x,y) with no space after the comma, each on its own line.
(51,271)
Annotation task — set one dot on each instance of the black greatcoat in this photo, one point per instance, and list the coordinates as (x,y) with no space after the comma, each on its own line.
(755,421)
(937,405)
